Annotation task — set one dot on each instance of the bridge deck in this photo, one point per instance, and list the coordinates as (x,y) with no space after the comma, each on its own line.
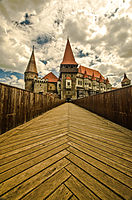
(66,153)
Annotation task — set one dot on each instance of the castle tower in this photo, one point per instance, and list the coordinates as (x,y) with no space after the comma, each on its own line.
(68,71)
(30,73)
(125,82)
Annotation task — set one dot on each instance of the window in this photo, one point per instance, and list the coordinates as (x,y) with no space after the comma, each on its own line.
(89,84)
(68,84)
(50,88)
(79,82)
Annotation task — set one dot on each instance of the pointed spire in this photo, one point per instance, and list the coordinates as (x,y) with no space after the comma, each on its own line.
(100,79)
(93,77)
(85,74)
(32,64)
(68,55)
(107,81)
(125,78)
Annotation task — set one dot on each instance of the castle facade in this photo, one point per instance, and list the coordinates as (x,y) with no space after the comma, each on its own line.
(74,81)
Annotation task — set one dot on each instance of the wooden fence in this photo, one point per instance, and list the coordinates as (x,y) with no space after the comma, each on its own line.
(115,105)
(18,106)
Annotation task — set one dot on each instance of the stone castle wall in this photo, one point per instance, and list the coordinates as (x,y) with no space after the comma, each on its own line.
(18,106)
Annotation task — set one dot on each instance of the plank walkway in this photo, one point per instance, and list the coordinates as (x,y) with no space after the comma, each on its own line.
(66,153)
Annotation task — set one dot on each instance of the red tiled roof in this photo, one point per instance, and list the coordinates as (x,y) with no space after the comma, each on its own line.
(89,71)
(68,78)
(85,76)
(68,55)
(32,64)
(51,77)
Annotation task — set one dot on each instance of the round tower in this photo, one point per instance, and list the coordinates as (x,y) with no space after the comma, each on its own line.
(30,73)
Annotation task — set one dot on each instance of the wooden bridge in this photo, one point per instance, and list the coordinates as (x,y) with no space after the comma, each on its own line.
(66,153)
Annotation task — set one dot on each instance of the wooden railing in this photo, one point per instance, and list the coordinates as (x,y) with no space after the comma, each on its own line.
(18,106)
(115,105)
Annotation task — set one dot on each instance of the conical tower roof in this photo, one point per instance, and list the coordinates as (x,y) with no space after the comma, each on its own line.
(125,78)
(68,55)
(101,79)
(107,81)
(32,64)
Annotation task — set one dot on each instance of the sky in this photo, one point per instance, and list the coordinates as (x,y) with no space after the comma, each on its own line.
(100,33)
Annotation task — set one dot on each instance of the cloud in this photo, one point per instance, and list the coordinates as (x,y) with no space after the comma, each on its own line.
(76,36)
(126,50)
(14,81)
(100,34)
(11,9)
(12,78)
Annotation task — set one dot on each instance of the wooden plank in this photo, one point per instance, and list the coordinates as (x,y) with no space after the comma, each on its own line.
(105,125)
(30,150)
(25,165)
(103,139)
(112,135)
(30,146)
(112,149)
(21,138)
(96,187)
(23,144)
(28,173)
(49,186)
(22,130)
(61,193)
(101,157)
(30,156)
(35,181)
(110,182)
(79,190)
(92,128)
(73,198)
(102,150)
(123,178)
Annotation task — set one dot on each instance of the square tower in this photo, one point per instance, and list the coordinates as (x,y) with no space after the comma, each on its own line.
(68,72)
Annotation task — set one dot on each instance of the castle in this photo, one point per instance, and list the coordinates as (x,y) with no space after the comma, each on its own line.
(74,81)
